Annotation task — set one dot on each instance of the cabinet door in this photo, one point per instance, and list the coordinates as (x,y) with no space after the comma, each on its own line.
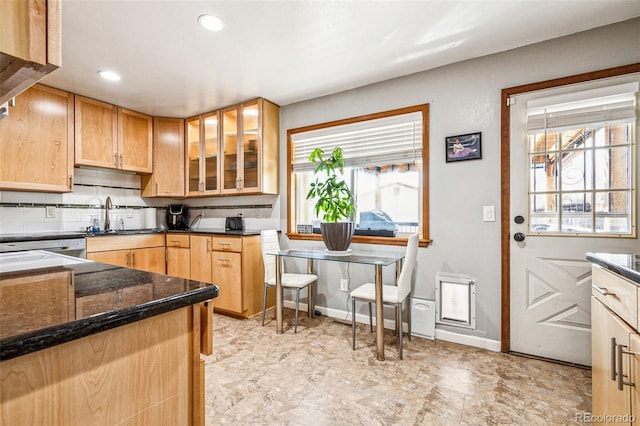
(30,43)
(150,259)
(135,141)
(250,147)
(200,258)
(193,156)
(230,155)
(96,133)
(96,304)
(227,274)
(168,175)
(607,331)
(210,149)
(112,257)
(178,262)
(39,156)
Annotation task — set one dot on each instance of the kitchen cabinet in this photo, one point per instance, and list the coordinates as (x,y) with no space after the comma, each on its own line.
(249,147)
(30,43)
(57,303)
(112,137)
(178,260)
(615,348)
(202,162)
(234,264)
(145,251)
(36,152)
(168,177)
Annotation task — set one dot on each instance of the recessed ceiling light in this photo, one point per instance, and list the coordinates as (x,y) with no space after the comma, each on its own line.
(210,22)
(109,75)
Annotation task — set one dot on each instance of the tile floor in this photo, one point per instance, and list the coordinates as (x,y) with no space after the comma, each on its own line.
(257,377)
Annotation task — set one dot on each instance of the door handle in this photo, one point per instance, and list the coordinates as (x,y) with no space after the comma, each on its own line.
(519,236)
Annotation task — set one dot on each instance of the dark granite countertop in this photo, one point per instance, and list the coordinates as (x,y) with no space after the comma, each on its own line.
(37,236)
(47,303)
(627,265)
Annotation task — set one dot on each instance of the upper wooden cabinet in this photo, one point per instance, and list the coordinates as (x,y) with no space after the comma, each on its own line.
(30,43)
(112,137)
(36,152)
(249,143)
(202,159)
(168,177)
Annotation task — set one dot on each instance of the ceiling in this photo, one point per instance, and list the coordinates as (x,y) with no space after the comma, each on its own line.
(289,51)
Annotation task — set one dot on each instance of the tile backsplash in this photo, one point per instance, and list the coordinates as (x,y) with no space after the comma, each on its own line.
(26,212)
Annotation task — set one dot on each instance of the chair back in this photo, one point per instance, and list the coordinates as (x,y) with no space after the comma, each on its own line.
(408,265)
(269,243)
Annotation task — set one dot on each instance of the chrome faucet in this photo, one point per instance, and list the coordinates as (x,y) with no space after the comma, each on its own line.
(107,222)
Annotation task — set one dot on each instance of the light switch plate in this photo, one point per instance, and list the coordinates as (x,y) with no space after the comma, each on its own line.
(50,212)
(489,213)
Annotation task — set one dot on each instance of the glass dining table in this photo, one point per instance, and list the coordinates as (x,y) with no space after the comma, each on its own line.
(377,262)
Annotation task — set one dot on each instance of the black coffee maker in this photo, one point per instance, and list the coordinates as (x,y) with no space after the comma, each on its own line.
(177,216)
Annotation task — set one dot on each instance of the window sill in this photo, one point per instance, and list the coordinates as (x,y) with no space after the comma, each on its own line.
(361,239)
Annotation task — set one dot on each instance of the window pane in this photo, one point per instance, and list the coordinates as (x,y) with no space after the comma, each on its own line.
(576,170)
(576,212)
(613,168)
(614,135)
(613,212)
(543,176)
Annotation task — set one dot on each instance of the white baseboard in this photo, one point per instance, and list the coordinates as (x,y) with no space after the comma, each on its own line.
(446,335)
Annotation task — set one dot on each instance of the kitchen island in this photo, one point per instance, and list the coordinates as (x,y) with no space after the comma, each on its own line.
(88,343)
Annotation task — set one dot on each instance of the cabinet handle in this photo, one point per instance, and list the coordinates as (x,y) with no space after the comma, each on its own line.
(71,182)
(121,161)
(603,291)
(224,244)
(621,381)
(208,249)
(115,160)
(166,255)
(613,359)
(223,259)
(157,188)
(129,259)
(133,256)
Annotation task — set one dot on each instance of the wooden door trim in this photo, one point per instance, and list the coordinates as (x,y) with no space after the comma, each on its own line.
(505,176)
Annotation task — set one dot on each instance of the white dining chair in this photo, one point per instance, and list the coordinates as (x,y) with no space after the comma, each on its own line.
(270,244)
(391,294)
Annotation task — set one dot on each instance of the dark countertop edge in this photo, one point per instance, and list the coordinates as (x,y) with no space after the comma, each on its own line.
(26,343)
(8,238)
(626,272)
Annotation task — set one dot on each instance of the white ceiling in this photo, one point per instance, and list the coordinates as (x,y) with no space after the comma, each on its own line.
(289,51)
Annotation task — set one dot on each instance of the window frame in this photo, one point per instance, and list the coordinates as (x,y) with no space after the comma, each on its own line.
(363,239)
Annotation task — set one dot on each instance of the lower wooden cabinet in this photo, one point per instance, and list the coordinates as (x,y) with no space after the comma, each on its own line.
(145,251)
(235,265)
(615,354)
(178,256)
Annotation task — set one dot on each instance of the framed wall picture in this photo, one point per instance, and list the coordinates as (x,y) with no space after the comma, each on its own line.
(463,147)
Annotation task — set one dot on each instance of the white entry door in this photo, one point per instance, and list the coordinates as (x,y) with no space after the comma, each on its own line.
(571,189)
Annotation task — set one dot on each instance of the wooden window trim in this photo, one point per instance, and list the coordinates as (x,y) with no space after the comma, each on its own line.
(399,241)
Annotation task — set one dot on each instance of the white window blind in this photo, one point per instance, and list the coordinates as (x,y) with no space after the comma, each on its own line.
(383,141)
(611,105)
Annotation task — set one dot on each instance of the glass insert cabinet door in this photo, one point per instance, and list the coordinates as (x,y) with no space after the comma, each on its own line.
(241,145)
(202,154)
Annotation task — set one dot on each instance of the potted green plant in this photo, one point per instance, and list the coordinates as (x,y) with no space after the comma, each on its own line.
(335,202)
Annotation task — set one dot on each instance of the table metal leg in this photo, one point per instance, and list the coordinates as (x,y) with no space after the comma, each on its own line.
(379,317)
(279,327)
(311,289)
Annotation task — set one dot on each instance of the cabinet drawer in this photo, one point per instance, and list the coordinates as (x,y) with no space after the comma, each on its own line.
(617,293)
(226,243)
(124,242)
(174,240)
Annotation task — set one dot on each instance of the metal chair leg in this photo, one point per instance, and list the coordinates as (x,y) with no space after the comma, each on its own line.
(353,323)
(264,303)
(371,319)
(399,307)
(409,300)
(295,327)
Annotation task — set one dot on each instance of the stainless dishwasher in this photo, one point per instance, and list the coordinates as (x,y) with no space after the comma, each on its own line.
(70,246)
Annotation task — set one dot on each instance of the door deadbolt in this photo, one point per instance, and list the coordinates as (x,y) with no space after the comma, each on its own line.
(518,219)
(519,236)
